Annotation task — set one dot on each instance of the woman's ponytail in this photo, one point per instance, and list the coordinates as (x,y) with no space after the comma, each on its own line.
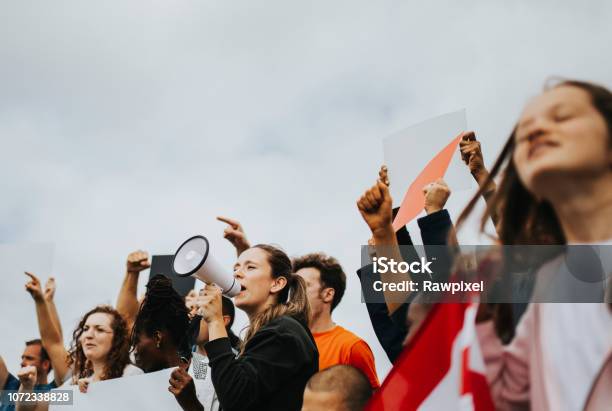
(297,299)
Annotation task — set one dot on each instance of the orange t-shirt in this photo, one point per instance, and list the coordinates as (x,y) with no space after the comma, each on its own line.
(340,346)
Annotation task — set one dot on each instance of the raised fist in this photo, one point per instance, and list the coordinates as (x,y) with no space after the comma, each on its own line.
(375,204)
(137,261)
(27,376)
(471,153)
(436,194)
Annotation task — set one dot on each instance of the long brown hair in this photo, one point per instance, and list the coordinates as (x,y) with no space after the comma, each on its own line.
(118,356)
(523,219)
(292,299)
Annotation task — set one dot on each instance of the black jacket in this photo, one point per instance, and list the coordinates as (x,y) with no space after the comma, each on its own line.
(272,372)
(391,330)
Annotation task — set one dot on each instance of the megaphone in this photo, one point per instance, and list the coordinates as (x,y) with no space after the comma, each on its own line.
(193,259)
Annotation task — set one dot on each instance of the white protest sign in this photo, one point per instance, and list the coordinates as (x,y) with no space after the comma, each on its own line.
(420,155)
(138,392)
(408,151)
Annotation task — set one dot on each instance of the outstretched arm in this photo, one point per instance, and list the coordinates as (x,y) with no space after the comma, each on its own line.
(49,294)
(49,334)
(471,154)
(375,208)
(127,301)
(27,378)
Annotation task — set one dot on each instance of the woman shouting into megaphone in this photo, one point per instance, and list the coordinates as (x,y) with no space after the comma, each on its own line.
(279,354)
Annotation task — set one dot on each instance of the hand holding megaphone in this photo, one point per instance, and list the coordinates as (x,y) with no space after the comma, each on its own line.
(193,259)
(209,303)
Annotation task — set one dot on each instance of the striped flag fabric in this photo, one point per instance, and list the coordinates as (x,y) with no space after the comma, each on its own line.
(442,367)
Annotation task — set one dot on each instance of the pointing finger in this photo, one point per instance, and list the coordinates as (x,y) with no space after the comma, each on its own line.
(234,223)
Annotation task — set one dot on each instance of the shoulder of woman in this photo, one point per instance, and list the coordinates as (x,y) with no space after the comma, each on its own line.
(284,323)
(131,369)
(290,336)
(285,328)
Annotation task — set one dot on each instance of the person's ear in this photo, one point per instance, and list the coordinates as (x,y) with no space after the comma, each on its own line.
(46,365)
(226,320)
(158,337)
(327,295)
(278,284)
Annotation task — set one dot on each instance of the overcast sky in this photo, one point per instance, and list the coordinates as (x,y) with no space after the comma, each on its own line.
(132,124)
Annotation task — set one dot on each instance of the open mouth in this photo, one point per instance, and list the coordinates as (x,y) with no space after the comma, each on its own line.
(242,287)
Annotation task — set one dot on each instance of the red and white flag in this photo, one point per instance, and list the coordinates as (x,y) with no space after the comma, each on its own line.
(442,368)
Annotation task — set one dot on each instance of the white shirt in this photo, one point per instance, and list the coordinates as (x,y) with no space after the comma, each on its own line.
(202,379)
(577,339)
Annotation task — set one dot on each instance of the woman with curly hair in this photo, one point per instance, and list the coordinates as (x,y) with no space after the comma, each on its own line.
(99,349)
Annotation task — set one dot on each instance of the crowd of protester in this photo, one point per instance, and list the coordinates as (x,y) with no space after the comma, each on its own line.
(551,185)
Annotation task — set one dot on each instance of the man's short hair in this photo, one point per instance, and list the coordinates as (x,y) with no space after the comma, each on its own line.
(331,271)
(43,353)
(352,385)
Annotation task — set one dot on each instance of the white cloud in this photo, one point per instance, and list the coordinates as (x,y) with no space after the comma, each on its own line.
(133,124)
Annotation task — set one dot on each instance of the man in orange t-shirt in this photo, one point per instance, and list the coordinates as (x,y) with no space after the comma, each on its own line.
(325,285)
